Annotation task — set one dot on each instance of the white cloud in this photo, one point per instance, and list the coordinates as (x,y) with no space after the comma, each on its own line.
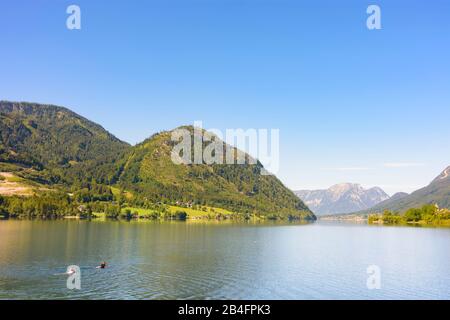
(402,164)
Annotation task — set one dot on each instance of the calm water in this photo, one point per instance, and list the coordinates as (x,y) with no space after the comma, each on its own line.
(221,261)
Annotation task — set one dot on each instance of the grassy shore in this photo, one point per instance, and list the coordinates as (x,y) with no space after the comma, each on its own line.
(206,213)
(427,215)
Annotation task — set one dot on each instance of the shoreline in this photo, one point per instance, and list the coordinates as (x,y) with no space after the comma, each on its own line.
(145,219)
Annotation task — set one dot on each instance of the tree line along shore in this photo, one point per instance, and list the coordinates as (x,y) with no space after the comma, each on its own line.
(428,214)
(104,204)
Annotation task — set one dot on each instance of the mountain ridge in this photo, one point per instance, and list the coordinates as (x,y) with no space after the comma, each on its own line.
(220,185)
(436,192)
(56,141)
(59,148)
(341,198)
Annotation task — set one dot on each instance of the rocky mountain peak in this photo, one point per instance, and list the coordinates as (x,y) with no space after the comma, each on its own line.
(342,198)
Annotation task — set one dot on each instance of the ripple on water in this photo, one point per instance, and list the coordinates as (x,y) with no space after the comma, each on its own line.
(182,261)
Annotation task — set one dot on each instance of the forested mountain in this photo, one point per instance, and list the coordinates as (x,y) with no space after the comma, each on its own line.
(150,172)
(59,145)
(56,147)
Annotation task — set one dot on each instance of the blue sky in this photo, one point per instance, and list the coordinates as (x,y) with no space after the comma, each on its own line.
(352,105)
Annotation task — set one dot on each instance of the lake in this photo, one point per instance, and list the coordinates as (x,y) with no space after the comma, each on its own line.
(220,260)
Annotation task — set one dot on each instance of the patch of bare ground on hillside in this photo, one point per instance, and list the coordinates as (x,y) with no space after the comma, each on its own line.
(10,185)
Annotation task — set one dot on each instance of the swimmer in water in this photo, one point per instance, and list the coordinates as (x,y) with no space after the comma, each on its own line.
(102,265)
(71,271)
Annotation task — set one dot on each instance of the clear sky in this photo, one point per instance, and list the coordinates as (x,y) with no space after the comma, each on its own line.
(352,105)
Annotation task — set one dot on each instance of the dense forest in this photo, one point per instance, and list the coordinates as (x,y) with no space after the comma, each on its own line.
(61,146)
(149,172)
(70,165)
(58,205)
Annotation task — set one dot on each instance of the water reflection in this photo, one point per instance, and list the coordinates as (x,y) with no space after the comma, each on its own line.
(221,260)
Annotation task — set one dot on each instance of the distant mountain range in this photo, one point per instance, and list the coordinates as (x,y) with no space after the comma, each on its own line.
(437,192)
(49,147)
(341,198)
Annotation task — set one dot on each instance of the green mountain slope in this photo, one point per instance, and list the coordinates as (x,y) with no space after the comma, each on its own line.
(150,172)
(61,146)
(437,192)
(55,147)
